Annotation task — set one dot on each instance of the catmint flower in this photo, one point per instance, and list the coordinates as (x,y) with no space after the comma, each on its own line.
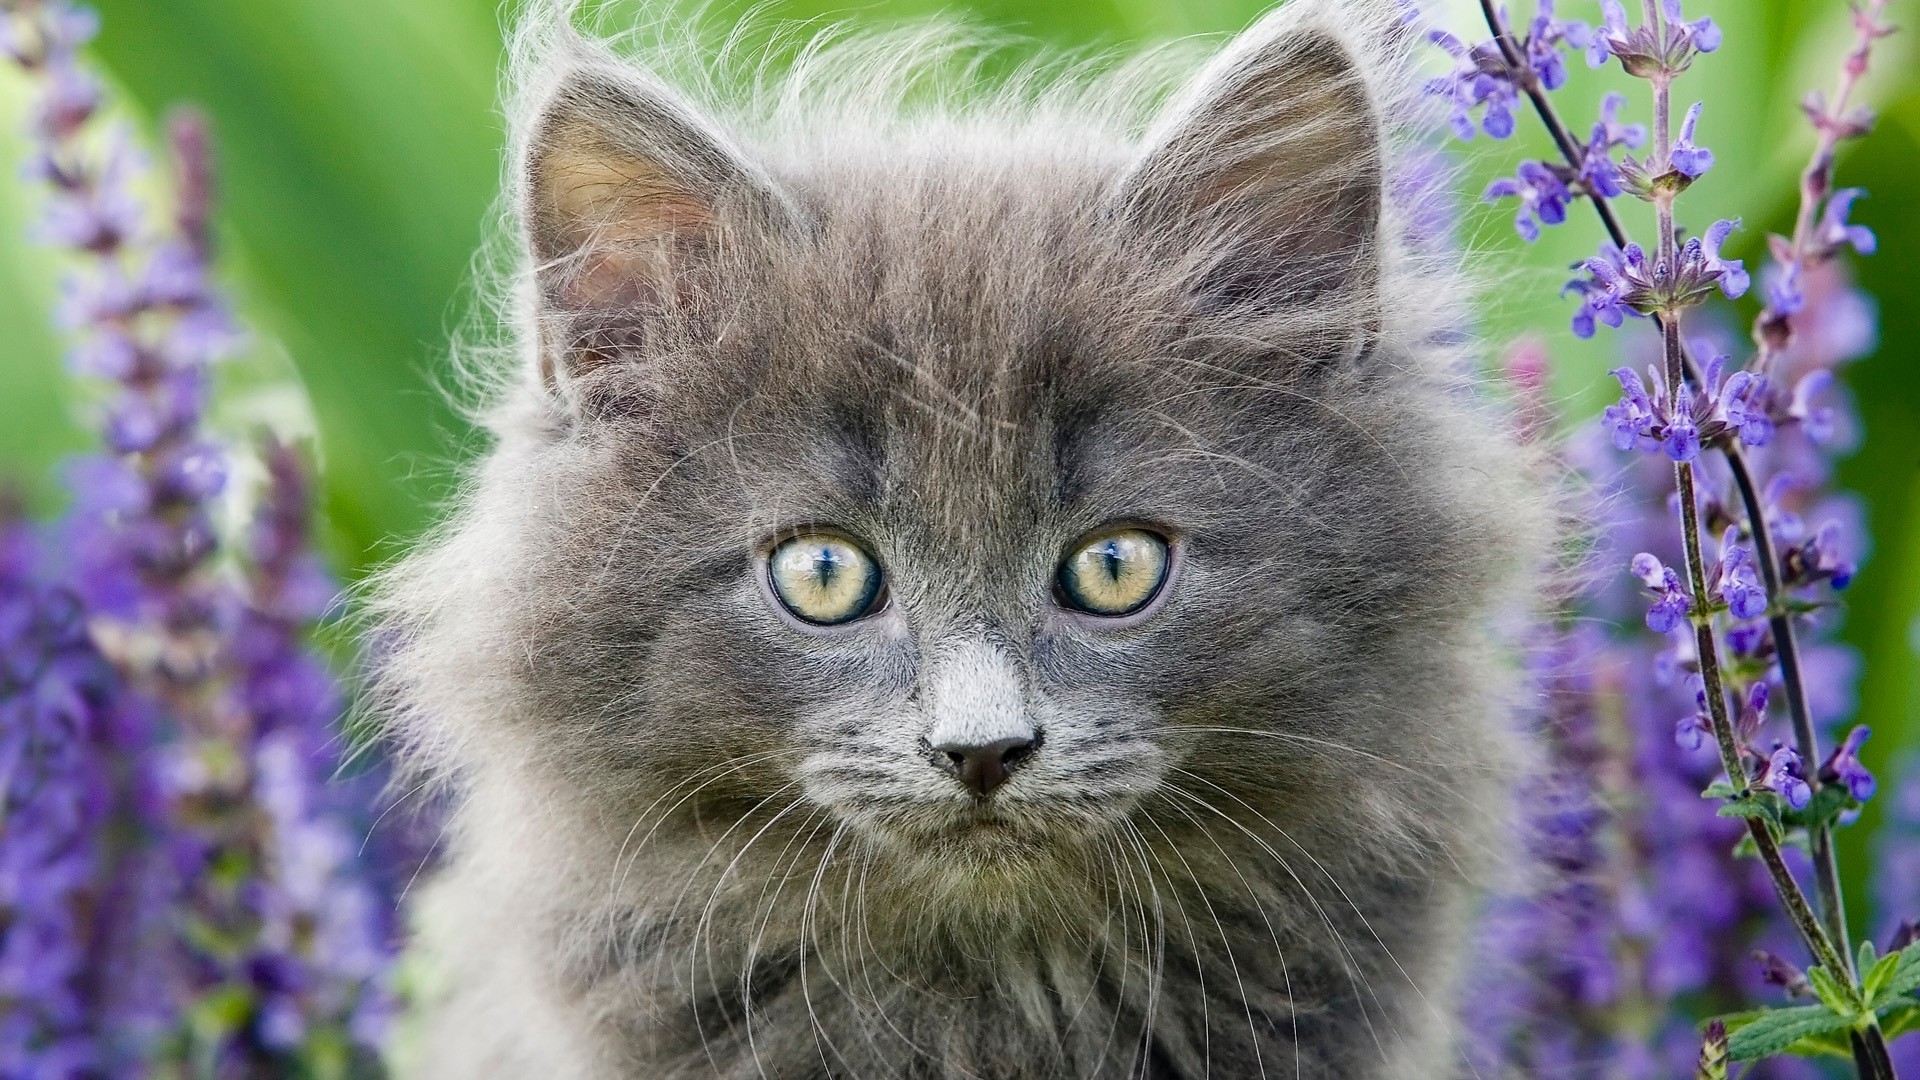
(1705,261)
(1843,766)
(1622,281)
(1785,297)
(1646,51)
(1482,79)
(1692,161)
(1731,407)
(1736,579)
(218,883)
(1543,197)
(1835,232)
(1742,403)
(1817,421)
(1670,610)
(1546,37)
(1817,559)
(1479,79)
(1599,175)
(1609,291)
(1780,774)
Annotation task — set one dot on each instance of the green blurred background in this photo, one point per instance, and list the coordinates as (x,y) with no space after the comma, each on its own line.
(359,143)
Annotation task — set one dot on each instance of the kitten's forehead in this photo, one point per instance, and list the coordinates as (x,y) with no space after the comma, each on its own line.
(953,341)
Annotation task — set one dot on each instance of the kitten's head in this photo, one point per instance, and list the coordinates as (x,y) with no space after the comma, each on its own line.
(970,492)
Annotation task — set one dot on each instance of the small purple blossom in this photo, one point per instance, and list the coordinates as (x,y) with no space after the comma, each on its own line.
(1692,161)
(1543,198)
(1781,774)
(1482,78)
(1670,608)
(1599,175)
(1625,281)
(1835,232)
(1843,766)
(1479,80)
(1818,559)
(1730,274)
(1608,292)
(1546,38)
(1817,421)
(1692,732)
(1737,578)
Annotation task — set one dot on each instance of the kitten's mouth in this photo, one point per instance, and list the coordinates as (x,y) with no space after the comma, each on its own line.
(990,831)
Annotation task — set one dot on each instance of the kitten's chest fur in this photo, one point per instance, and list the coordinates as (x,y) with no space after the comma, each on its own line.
(1148,962)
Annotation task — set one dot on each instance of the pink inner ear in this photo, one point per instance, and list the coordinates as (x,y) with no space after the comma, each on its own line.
(609,225)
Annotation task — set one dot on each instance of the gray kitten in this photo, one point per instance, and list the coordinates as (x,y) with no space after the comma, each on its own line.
(968,589)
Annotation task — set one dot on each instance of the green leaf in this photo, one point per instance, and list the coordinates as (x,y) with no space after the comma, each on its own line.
(1833,1043)
(1900,1019)
(1774,1030)
(1719,789)
(1829,990)
(1901,974)
(1878,973)
(1753,807)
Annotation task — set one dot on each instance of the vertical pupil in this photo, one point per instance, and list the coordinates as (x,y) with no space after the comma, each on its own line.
(1111,557)
(828,567)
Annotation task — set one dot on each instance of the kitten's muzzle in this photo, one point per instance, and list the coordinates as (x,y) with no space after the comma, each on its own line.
(985,766)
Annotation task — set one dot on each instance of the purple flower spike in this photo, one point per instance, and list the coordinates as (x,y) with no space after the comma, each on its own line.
(1692,161)
(1835,232)
(163,705)
(1844,767)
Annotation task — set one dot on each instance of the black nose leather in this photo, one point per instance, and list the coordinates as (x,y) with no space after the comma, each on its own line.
(985,767)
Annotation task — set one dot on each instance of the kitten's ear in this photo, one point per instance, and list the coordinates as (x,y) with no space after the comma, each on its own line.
(1269,169)
(626,192)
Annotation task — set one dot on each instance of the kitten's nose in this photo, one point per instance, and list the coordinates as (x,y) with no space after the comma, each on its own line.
(986,766)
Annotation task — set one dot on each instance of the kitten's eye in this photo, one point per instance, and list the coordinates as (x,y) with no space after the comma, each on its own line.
(1116,573)
(824,579)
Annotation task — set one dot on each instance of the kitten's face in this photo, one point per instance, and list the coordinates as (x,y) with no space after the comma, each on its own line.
(878,519)
(963,508)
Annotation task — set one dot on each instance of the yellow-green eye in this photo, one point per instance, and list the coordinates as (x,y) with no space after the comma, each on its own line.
(823,578)
(1116,573)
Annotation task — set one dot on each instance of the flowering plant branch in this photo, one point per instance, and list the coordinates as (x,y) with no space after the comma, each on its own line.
(1687,409)
(177,874)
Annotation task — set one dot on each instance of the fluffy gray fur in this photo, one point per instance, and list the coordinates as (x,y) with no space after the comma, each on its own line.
(696,837)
